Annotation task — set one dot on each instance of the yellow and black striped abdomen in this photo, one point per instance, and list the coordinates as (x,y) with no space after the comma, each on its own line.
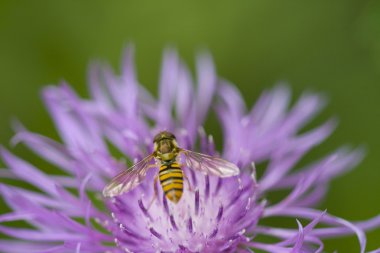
(171,178)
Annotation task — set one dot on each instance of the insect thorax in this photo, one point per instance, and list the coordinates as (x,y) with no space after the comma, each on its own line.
(165,146)
(168,157)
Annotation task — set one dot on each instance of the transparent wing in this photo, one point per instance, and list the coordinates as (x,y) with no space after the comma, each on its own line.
(128,179)
(209,164)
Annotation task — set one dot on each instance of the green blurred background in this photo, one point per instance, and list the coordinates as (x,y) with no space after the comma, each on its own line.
(327,46)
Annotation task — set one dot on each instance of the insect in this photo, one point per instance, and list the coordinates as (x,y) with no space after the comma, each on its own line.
(166,156)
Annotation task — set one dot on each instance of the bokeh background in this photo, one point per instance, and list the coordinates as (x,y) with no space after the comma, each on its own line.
(326,46)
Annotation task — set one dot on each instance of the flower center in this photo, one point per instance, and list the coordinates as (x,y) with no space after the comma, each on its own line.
(210,215)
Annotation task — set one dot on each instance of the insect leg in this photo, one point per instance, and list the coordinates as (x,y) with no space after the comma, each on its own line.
(187,180)
(155,191)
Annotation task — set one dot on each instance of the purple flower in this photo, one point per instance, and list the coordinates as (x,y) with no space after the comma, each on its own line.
(65,212)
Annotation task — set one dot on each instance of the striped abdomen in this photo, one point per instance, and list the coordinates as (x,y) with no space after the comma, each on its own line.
(171,178)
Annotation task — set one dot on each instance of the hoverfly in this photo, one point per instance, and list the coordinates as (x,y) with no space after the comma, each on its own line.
(166,155)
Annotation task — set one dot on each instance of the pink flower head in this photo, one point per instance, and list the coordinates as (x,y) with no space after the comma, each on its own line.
(65,211)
